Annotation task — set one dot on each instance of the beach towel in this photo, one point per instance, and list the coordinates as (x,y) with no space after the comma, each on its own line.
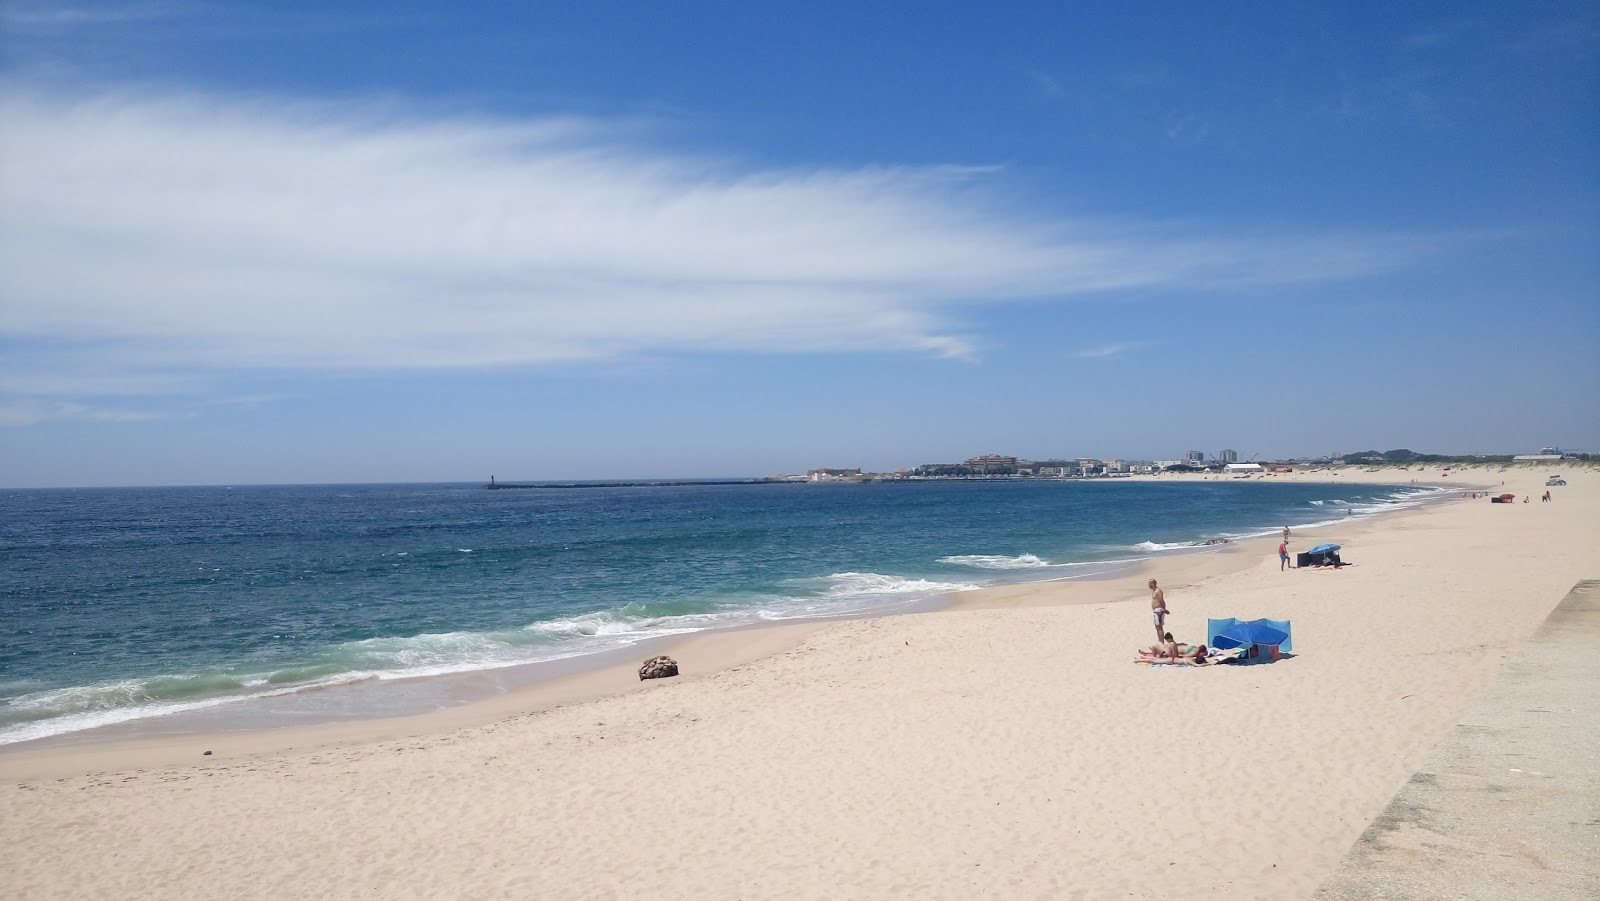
(1213,655)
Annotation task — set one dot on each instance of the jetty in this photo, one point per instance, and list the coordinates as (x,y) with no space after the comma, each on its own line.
(651,483)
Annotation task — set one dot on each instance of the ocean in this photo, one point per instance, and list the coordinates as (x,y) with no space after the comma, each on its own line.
(122,605)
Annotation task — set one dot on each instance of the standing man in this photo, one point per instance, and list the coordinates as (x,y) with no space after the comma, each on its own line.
(1158,611)
(1283,556)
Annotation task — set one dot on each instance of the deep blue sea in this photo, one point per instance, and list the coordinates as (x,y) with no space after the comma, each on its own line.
(122,604)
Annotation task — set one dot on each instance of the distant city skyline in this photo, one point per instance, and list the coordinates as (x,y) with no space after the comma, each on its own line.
(351,242)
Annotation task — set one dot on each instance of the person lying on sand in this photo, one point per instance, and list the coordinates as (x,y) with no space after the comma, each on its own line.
(1195,656)
(1173,650)
(1166,648)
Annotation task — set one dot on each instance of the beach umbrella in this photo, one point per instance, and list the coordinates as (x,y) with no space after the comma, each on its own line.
(1255,631)
(1324,549)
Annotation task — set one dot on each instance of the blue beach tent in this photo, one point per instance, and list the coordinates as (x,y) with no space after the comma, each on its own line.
(1248,632)
(1321,555)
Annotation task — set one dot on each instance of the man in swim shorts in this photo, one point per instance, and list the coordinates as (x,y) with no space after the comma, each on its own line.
(1158,610)
(1283,556)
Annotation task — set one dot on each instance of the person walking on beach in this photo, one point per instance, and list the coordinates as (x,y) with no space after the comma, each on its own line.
(1285,533)
(1283,556)
(1158,610)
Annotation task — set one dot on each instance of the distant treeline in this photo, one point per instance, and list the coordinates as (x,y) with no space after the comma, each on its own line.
(1405,455)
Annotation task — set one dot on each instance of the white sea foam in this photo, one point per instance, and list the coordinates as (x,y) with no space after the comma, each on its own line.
(996,561)
(1168,546)
(95,718)
(1318,524)
(605,623)
(852,593)
(852,583)
(1102,563)
(78,708)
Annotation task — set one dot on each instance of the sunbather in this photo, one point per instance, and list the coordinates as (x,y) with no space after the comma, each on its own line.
(1167,648)
(1174,652)
(1196,657)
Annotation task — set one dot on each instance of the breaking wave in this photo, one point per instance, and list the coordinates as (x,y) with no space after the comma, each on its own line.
(57,711)
(851,584)
(996,561)
(1204,544)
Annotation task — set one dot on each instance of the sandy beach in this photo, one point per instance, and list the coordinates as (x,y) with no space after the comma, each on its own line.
(1003,747)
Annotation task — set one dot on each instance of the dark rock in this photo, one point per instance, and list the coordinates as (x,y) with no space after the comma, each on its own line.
(207,754)
(658,668)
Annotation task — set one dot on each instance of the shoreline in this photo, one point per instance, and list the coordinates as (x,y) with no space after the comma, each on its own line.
(1010,748)
(481,697)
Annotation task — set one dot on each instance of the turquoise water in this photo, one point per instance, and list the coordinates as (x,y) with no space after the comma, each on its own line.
(121,604)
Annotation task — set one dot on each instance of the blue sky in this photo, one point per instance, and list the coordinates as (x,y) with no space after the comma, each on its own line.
(403,242)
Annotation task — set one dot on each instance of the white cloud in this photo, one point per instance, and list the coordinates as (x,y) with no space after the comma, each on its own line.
(190,232)
(1107,351)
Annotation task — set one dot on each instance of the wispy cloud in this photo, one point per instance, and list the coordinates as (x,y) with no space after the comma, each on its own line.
(28,411)
(1107,351)
(1047,85)
(185,233)
(54,16)
(1186,128)
(1439,35)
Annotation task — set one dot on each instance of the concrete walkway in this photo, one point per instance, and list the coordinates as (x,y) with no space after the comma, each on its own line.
(1509,805)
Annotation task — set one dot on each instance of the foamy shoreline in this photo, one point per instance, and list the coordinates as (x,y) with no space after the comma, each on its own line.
(356,696)
(1005,746)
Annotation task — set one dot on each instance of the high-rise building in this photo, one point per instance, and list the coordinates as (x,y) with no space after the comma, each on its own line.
(1194,457)
(1228,455)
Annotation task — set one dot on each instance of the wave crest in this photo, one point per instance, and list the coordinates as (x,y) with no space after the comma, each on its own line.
(1159,546)
(852,583)
(996,561)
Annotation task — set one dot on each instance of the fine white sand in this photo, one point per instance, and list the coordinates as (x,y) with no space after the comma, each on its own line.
(1006,747)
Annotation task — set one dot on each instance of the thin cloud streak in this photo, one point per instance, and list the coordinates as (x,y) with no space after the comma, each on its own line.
(186,232)
(29,412)
(39,16)
(1107,351)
